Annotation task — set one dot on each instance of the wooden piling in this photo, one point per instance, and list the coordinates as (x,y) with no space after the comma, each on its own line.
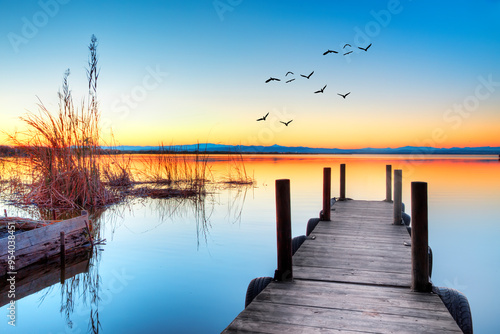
(283,231)
(342,182)
(419,238)
(327,181)
(63,256)
(398,200)
(388,183)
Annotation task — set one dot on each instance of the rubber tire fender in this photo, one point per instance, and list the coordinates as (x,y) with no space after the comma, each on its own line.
(255,287)
(311,224)
(297,242)
(458,306)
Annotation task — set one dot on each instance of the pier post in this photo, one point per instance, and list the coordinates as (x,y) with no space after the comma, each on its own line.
(327,181)
(388,183)
(283,231)
(63,256)
(419,238)
(342,182)
(398,199)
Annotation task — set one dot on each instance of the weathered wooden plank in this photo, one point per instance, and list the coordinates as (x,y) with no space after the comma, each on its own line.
(350,275)
(42,243)
(32,237)
(335,319)
(391,300)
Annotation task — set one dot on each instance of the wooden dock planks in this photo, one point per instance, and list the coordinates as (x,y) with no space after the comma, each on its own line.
(352,275)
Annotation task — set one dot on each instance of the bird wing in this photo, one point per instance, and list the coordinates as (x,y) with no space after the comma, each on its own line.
(324,87)
(289,122)
(325,53)
(340,94)
(346,45)
(347,94)
(283,122)
(266,116)
(318,91)
(347,53)
(260,119)
(368,46)
(310,75)
(269,80)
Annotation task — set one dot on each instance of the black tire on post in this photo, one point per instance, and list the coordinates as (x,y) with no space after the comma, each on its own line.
(255,287)
(458,306)
(297,242)
(430,261)
(406,218)
(311,224)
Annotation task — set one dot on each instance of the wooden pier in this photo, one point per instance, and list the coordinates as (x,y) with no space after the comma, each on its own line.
(352,274)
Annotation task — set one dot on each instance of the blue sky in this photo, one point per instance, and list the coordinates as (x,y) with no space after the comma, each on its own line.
(188,71)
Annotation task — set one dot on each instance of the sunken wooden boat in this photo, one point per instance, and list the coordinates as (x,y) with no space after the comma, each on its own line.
(40,240)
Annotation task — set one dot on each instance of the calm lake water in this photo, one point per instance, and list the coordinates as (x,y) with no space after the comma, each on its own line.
(172,266)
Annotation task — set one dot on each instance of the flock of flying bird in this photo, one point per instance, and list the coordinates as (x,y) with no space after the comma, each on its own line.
(263,118)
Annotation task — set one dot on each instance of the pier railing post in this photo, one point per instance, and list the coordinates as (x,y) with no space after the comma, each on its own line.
(388,183)
(398,199)
(327,181)
(63,255)
(342,182)
(283,231)
(419,238)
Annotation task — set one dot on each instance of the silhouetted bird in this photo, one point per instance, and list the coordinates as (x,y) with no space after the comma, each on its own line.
(289,72)
(263,118)
(329,51)
(346,45)
(345,54)
(290,80)
(272,79)
(321,90)
(344,94)
(307,76)
(286,123)
(365,49)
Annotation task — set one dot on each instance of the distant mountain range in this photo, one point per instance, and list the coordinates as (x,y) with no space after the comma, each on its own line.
(219,148)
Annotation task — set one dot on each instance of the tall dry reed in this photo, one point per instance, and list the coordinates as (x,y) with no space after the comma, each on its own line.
(63,150)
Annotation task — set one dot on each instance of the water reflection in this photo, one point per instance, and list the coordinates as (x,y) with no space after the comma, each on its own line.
(80,282)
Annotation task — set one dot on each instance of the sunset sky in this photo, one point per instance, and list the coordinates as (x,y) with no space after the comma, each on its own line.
(185,71)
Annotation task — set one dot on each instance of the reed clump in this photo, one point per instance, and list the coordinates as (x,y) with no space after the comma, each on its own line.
(171,173)
(236,172)
(62,164)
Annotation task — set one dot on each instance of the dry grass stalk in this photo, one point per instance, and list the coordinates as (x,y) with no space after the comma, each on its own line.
(63,151)
(237,173)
